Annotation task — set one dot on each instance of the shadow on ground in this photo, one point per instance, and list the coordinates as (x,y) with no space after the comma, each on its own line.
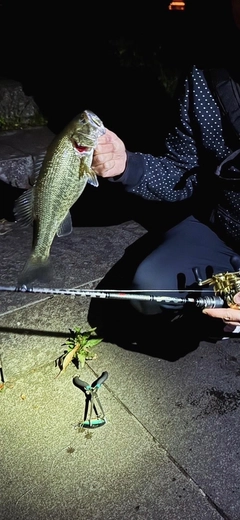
(168,335)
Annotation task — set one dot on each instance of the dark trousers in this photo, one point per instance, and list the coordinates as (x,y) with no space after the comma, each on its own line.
(171,264)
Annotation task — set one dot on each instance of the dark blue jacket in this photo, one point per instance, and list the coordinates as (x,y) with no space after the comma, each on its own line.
(194,149)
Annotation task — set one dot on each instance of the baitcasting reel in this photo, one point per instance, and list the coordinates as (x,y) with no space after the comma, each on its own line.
(226,285)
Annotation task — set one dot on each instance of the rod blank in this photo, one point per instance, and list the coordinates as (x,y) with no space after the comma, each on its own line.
(207,301)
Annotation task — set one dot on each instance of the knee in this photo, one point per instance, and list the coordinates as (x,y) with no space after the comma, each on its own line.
(143,283)
(146,307)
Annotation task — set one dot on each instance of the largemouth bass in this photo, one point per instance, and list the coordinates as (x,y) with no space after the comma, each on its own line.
(64,173)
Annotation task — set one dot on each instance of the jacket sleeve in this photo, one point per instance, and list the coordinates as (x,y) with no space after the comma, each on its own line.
(172,176)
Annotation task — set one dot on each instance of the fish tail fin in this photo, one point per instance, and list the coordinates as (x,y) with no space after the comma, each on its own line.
(35,270)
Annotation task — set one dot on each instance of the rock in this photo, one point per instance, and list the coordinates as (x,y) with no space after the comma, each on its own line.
(24,135)
(19,150)
(16,109)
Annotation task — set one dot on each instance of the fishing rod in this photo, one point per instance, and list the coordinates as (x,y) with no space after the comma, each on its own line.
(225,287)
(202,301)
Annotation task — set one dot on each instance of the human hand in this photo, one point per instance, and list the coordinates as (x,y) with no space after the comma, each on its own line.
(228,315)
(109,158)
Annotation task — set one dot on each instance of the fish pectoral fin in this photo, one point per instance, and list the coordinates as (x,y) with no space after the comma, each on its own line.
(23,208)
(92,178)
(65,227)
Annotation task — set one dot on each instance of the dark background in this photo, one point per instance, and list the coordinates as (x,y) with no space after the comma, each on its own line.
(122,64)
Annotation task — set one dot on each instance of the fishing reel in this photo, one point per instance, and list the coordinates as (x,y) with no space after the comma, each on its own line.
(225,285)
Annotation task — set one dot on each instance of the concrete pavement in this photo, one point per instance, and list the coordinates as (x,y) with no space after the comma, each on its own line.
(170,447)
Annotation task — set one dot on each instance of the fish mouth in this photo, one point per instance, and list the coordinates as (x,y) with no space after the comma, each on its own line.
(81,148)
(84,144)
(86,132)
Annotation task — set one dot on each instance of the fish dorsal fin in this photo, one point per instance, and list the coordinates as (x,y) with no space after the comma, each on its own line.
(23,208)
(65,227)
(38,163)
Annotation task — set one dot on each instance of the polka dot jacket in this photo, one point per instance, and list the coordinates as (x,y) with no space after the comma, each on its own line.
(194,147)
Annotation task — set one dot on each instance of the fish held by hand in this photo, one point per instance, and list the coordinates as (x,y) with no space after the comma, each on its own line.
(63,176)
